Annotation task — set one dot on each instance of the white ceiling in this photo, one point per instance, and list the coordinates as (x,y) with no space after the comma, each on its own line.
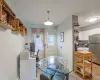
(34,11)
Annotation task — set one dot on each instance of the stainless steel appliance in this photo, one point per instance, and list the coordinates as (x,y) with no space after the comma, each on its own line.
(32,47)
(94,47)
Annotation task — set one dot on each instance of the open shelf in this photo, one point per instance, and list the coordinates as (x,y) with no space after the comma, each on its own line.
(86,73)
(6,26)
(8,19)
(87,76)
(82,65)
(7,8)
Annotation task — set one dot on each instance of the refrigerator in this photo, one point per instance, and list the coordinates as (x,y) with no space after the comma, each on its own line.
(94,47)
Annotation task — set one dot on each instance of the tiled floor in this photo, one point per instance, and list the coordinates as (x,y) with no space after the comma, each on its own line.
(72,76)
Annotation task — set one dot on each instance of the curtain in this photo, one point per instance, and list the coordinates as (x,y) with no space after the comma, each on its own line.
(38,38)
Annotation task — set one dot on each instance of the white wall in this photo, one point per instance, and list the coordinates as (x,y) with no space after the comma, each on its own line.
(10,46)
(83,35)
(28,37)
(67,46)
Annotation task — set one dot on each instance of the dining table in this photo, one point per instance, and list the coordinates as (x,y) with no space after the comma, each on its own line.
(58,61)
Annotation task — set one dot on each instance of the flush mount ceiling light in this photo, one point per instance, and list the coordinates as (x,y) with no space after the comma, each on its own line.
(93,19)
(48,22)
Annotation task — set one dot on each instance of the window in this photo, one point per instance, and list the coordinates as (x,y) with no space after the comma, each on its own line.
(51,40)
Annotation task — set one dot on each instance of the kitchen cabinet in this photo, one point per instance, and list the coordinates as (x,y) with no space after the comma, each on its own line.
(83,64)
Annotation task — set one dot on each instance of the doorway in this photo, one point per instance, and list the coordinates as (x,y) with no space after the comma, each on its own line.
(51,40)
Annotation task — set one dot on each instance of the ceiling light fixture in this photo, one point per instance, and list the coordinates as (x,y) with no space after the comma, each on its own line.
(48,22)
(93,19)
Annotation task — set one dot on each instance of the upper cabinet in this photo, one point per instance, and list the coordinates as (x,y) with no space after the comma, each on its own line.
(8,19)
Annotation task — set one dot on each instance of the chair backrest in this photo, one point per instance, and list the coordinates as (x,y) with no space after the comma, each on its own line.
(38,52)
(37,57)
